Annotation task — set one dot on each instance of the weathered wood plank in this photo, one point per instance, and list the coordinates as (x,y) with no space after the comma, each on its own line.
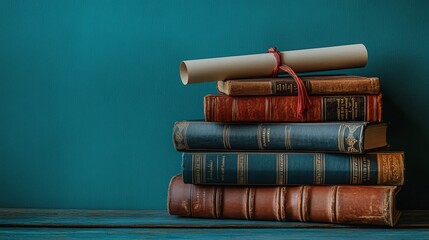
(211,233)
(160,219)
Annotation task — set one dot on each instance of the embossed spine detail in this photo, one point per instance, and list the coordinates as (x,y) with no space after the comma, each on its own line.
(251,203)
(288,142)
(198,168)
(340,137)
(259,136)
(332,204)
(360,172)
(319,169)
(283,203)
(242,169)
(179,133)
(345,108)
(390,169)
(268,109)
(226,139)
(281,168)
(219,202)
(350,138)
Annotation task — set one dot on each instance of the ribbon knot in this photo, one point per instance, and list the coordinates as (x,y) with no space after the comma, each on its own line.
(304,102)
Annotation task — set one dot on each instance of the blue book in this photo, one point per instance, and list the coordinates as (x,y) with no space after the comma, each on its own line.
(341,137)
(242,168)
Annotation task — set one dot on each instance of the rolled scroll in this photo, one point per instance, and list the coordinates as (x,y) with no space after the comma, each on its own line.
(262,65)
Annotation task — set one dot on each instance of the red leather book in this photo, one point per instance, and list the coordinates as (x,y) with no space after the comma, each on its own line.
(223,108)
(365,205)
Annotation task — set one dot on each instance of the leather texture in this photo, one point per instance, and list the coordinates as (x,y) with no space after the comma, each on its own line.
(365,205)
(315,85)
(281,168)
(223,108)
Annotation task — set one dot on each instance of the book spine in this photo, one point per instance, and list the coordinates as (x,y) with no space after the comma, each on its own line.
(293,168)
(345,137)
(222,108)
(316,85)
(331,204)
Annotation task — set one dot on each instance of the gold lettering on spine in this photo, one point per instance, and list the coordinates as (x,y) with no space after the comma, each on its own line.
(348,107)
(242,169)
(197,168)
(390,168)
(226,138)
(341,110)
(222,168)
(266,137)
(354,165)
(360,170)
(366,170)
(281,167)
(319,169)
(288,142)
(209,168)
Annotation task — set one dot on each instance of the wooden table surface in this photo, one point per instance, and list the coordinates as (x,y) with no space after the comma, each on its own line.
(138,224)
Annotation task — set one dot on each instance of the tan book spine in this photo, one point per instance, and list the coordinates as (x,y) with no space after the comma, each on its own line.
(365,205)
(316,85)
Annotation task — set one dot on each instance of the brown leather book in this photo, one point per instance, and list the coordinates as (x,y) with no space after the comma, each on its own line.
(316,85)
(223,108)
(364,205)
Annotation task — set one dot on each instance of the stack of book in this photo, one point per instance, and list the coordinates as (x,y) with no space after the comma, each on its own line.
(254,158)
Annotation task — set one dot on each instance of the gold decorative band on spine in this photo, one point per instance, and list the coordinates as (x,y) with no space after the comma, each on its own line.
(197,168)
(319,169)
(360,170)
(340,136)
(234,110)
(282,168)
(226,138)
(242,169)
(350,139)
(259,136)
(251,203)
(288,142)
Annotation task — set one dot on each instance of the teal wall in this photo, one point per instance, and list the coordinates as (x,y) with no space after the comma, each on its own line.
(89,90)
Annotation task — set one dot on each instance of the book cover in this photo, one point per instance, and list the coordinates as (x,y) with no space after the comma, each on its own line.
(342,137)
(315,85)
(364,205)
(269,168)
(223,108)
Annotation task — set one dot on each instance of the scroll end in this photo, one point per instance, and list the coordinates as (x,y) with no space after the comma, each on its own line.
(365,54)
(184,73)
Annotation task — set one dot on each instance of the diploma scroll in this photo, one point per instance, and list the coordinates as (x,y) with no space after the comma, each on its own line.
(262,65)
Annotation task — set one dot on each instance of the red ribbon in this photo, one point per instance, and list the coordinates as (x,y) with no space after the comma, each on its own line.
(304,102)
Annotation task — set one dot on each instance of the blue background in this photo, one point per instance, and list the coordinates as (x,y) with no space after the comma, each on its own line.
(89,90)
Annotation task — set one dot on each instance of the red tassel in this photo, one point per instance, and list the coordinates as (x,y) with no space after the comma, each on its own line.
(304,102)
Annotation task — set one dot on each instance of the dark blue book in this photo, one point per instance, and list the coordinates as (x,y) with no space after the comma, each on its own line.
(341,137)
(240,168)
